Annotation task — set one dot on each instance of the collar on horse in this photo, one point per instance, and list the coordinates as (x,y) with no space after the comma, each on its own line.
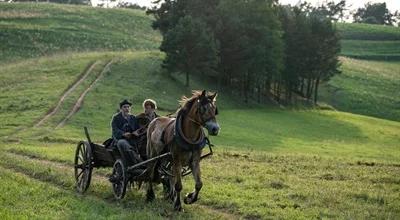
(182,141)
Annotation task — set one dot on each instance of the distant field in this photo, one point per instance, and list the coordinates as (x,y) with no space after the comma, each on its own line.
(41,29)
(370,42)
(370,80)
(365,87)
(371,50)
(356,31)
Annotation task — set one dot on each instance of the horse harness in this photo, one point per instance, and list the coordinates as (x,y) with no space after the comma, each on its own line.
(180,139)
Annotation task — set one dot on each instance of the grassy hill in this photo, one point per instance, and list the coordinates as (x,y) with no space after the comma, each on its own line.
(268,162)
(372,42)
(40,29)
(370,80)
(365,87)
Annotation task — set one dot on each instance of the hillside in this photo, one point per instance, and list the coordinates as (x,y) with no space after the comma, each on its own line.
(370,69)
(40,29)
(371,42)
(268,162)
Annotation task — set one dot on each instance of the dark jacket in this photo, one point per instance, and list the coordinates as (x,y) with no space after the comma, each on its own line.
(120,125)
(143,120)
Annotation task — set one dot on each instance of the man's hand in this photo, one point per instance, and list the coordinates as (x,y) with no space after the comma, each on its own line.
(127,135)
(136,133)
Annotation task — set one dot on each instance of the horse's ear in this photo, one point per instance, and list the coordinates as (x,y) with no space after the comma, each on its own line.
(213,96)
(203,94)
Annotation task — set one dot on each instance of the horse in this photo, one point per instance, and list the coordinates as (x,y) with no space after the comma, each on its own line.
(184,137)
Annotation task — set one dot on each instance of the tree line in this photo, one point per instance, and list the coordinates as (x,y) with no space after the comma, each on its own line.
(376,13)
(256,48)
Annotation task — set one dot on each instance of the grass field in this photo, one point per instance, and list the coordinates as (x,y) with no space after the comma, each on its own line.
(269,163)
(370,80)
(41,29)
(357,31)
(370,42)
(365,87)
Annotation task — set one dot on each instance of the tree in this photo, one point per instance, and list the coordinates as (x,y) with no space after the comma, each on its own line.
(311,49)
(376,13)
(332,10)
(167,15)
(124,4)
(325,62)
(190,48)
(251,49)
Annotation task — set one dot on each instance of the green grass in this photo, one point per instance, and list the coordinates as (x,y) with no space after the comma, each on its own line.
(41,29)
(365,87)
(32,87)
(355,31)
(41,189)
(368,86)
(371,50)
(370,42)
(268,163)
(256,184)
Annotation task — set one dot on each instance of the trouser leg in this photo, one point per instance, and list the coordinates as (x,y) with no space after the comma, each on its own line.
(127,151)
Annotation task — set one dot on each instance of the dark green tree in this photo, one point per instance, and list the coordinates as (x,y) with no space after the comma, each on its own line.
(190,49)
(376,13)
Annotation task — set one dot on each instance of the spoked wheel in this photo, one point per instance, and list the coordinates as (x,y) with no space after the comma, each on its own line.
(166,177)
(120,180)
(83,166)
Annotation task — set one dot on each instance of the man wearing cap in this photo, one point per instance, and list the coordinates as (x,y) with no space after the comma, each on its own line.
(124,129)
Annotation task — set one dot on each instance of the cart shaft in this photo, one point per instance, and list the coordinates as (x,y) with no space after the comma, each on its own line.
(148,161)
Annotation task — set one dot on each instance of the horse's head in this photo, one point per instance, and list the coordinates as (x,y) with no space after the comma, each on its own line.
(206,110)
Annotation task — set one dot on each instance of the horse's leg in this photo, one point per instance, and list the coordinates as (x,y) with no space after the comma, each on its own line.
(150,196)
(192,197)
(177,167)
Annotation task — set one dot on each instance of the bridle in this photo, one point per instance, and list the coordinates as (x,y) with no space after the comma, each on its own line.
(204,121)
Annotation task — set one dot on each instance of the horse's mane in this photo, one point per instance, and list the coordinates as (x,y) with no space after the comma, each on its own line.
(186,103)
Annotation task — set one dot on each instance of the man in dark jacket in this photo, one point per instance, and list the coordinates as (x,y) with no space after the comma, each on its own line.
(124,130)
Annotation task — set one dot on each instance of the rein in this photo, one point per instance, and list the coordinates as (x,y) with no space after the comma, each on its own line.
(194,121)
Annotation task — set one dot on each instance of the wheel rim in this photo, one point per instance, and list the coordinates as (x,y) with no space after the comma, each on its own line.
(119,185)
(83,166)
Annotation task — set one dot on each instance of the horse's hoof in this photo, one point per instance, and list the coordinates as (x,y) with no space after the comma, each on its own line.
(189,199)
(178,209)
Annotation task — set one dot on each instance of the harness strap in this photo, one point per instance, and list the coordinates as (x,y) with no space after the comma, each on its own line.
(182,141)
(194,121)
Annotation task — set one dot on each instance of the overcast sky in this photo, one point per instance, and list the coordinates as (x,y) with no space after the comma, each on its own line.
(392,5)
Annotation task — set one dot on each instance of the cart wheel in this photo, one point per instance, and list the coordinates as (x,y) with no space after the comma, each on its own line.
(120,179)
(83,166)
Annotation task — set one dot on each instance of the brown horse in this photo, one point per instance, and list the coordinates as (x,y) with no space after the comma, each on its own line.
(184,137)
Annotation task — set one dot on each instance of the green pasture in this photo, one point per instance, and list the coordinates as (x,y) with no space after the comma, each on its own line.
(365,87)
(41,29)
(268,163)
